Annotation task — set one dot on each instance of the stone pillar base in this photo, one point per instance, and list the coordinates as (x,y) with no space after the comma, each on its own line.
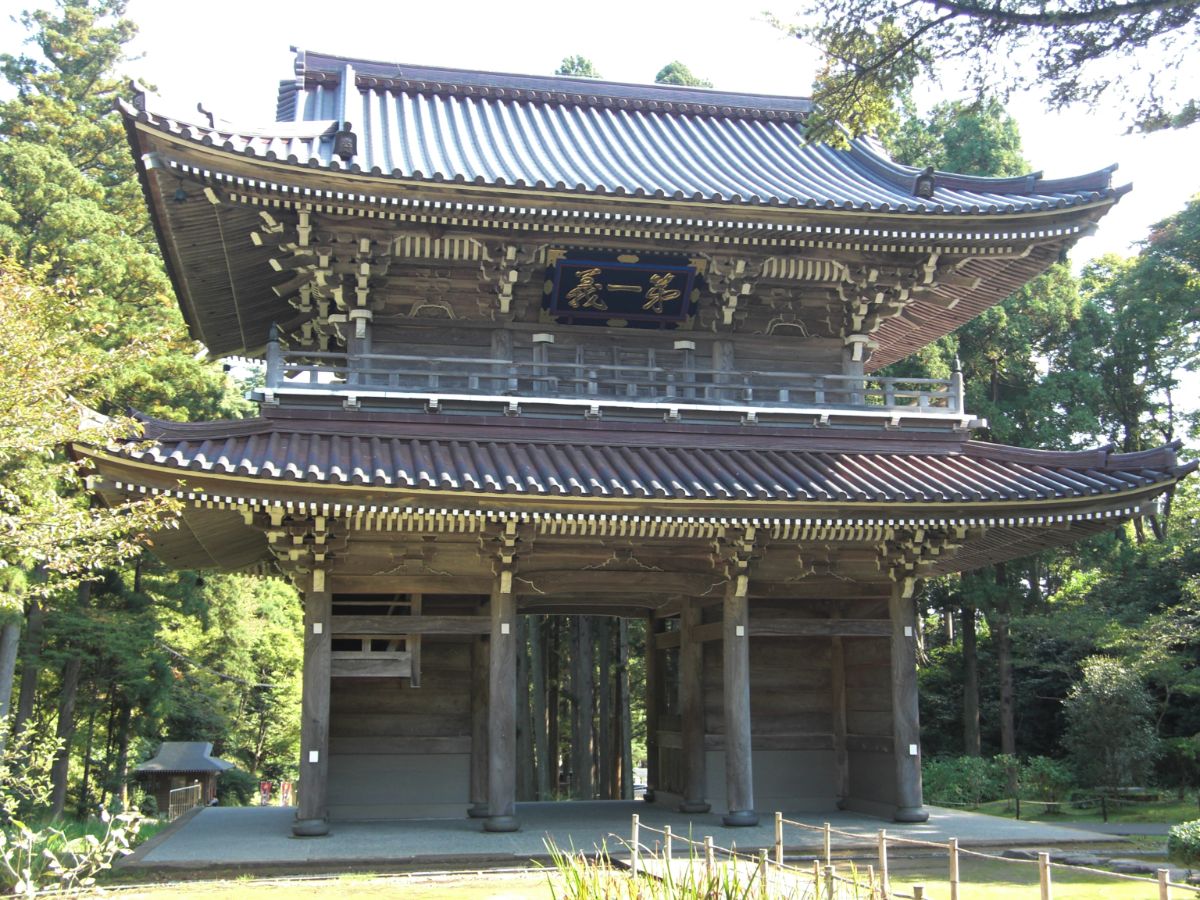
(501,824)
(686,807)
(910,814)
(740,818)
(310,827)
(478,811)
(648,796)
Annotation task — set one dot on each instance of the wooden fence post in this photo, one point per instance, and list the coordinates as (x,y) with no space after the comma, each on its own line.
(1164,884)
(709,860)
(918,892)
(762,873)
(828,845)
(953,868)
(871,895)
(816,877)
(668,848)
(830,884)
(1044,873)
(634,852)
(779,839)
(884,886)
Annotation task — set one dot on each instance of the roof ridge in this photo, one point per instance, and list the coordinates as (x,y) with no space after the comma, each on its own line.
(575,90)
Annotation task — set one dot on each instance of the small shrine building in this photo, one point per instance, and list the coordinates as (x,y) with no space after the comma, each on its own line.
(560,346)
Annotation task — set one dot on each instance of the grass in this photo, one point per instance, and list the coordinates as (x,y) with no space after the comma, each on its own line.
(1170,812)
(525,885)
(993,880)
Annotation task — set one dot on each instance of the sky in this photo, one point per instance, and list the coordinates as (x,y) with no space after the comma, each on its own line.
(230,56)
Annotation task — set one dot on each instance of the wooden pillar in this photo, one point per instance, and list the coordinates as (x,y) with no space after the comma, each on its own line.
(502,708)
(480,670)
(312,817)
(739,769)
(906,725)
(691,708)
(653,686)
(837,671)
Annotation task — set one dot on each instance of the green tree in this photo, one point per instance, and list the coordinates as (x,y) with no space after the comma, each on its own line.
(71,210)
(1109,734)
(1131,54)
(677,73)
(577,67)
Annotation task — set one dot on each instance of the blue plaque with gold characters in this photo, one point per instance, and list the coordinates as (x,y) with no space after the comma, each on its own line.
(604,289)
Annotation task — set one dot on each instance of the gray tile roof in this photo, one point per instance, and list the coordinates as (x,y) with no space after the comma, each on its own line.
(184,756)
(731,466)
(584,136)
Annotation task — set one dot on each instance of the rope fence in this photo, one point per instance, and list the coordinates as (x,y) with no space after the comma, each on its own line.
(768,867)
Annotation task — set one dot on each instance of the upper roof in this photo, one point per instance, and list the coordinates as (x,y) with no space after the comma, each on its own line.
(585,136)
(184,756)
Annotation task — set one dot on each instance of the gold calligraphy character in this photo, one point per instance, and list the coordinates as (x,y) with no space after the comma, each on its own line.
(660,292)
(586,294)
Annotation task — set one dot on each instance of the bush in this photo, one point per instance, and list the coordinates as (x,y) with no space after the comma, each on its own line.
(964,780)
(1046,779)
(1183,844)
(236,787)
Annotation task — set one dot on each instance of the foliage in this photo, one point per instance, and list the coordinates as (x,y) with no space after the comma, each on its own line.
(1133,54)
(978,138)
(1183,844)
(236,787)
(577,67)
(34,858)
(47,349)
(964,780)
(1046,779)
(1109,735)
(677,73)
(578,876)
(1179,765)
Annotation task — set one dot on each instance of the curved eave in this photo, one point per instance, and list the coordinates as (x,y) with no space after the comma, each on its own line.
(207,487)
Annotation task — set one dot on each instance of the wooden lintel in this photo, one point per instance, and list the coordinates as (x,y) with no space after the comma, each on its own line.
(550,584)
(406,584)
(396,626)
(760,627)
(667,640)
(390,665)
(560,608)
(773,627)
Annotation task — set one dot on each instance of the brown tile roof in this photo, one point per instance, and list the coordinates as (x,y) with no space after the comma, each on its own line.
(644,463)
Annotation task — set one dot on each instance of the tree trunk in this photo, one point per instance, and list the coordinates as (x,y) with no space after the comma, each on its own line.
(121,766)
(31,665)
(85,786)
(525,761)
(624,713)
(10,642)
(582,690)
(553,699)
(970,654)
(605,744)
(1003,637)
(65,731)
(537,673)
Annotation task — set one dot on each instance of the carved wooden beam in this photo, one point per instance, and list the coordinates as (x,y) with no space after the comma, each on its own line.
(504,266)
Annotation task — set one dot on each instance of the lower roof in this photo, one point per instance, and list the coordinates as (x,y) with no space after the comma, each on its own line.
(438,455)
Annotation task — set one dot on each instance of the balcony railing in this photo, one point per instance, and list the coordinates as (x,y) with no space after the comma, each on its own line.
(364,375)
